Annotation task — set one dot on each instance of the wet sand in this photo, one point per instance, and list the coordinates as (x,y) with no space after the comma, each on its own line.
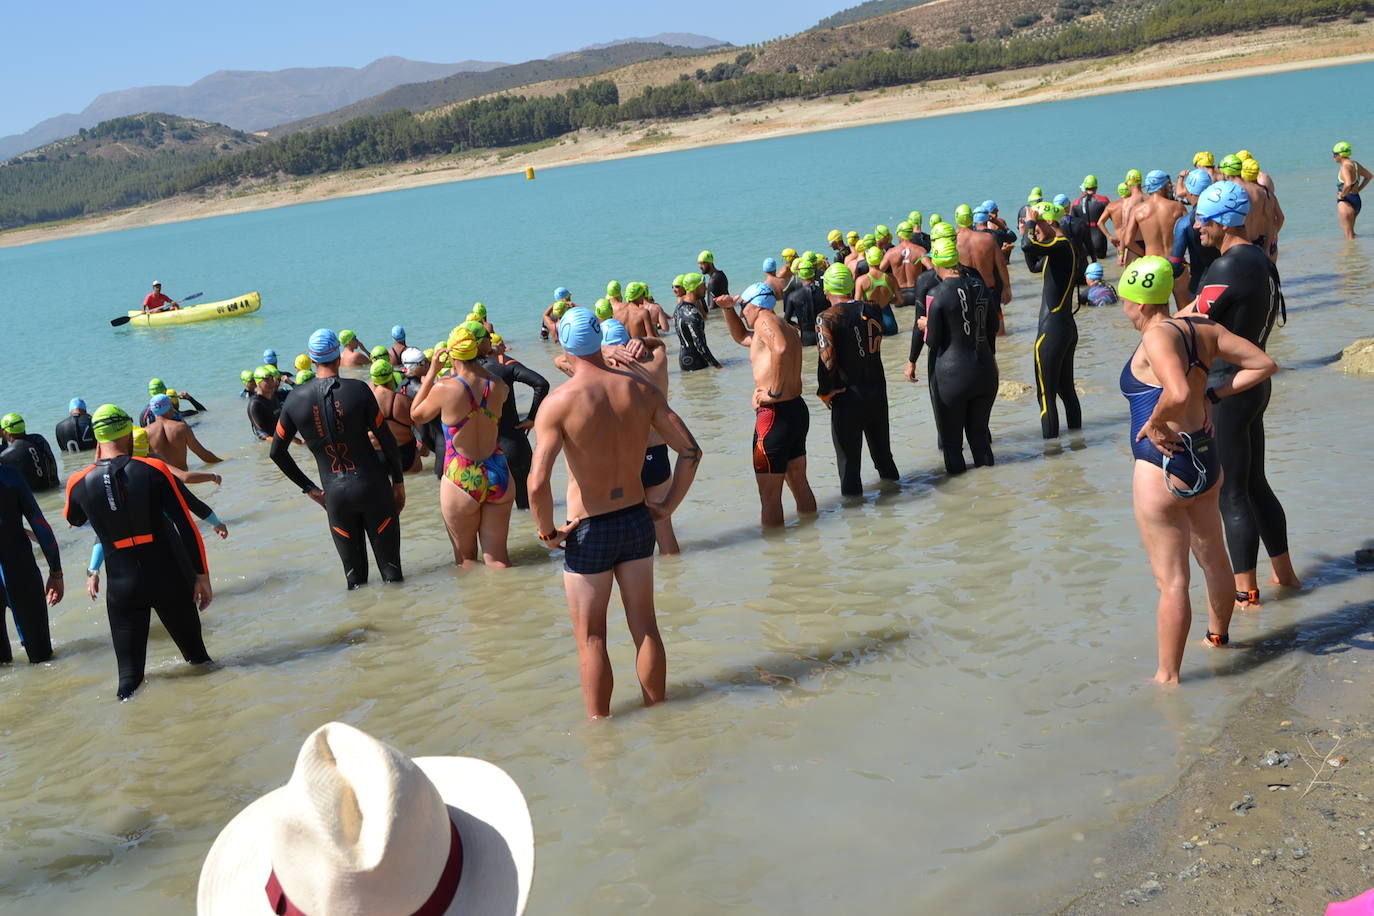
(1272,51)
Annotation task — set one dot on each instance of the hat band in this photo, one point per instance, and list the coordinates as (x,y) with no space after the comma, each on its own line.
(436,905)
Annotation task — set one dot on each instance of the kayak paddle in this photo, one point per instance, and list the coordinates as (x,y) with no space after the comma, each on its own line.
(125,319)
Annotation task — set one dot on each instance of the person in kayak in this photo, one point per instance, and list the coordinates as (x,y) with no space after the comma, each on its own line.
(334,416)
(74,431)
(28,453)
(154,553)
(157,302)
(21,586)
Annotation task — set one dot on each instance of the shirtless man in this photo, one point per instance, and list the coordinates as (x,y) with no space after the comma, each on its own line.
(1113,214)
(781,418)
(1201,160)
(601,419)
(562,301)
(657,315)
(771,277)
(1351,179)
(171,438)
(1152,223)
(355,353)
(982,252)
(1252,177)
(632,313)
(614,294)
(903,261)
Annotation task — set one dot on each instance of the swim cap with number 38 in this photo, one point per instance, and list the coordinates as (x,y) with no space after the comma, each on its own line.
(1148,280)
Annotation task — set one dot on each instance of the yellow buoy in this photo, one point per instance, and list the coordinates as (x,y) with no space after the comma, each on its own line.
(529,172)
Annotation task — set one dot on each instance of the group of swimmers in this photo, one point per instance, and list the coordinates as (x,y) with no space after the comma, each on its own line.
(1207,239)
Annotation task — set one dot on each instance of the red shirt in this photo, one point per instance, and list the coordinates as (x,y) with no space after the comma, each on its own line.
(155,300)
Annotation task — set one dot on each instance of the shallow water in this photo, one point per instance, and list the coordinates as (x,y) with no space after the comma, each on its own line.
(933,698)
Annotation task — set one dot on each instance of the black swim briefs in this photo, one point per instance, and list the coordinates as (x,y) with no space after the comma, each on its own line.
(780,435)
(908,295)
(656,468)
(602,542)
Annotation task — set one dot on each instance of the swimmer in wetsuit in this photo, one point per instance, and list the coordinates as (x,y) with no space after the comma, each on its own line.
(29,454)
(263,406)
(690,319)
(334,416)
(1174,482)
(1351,179)
(1188,250)
(1099,292)
(781,419)
(22,589)
(851,381)
(962,370)
(1241,291)
(154,554)
(804,301)
(1089,208)
(74,431)
(1050,252)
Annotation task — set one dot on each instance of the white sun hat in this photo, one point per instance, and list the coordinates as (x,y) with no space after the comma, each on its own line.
(362,829)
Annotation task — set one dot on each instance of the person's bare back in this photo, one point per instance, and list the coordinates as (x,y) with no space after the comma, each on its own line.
(1151,223)
(903,261)
(980,251)
(635,318)
(172,438)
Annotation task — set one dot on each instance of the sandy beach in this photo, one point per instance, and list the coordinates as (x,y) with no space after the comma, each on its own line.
(1272,51)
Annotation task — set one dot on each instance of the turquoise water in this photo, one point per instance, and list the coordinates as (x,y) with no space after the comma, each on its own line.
(932,699)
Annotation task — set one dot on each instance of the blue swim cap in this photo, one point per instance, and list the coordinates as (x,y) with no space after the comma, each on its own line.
(981,215)
(160,404)
(1154,180)
(562,293)
(324,346)
(988,205)
(398,333)
(1061,200)
(1094,272)
(1224,202)
(613,333)
(269,356)
(579,332)
(75,404)
(770,265)
(1198,180)
(759,294)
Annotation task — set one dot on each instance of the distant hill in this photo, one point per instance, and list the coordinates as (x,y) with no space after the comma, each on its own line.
(246,99)
(462,86)
(678,39)
(117,163)
(865,11)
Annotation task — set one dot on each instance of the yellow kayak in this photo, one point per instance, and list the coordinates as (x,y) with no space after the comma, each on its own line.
(227,308)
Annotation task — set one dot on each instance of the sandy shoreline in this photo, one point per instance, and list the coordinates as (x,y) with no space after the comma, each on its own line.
(1272,51)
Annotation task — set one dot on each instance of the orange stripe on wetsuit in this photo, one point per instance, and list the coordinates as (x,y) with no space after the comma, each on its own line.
(72,481)
(172,482)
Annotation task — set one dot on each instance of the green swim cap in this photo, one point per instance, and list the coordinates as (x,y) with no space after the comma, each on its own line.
(12,423)
(429,354)
(1038,191)
(1089,183)
(1148,280)
(479,310)
(677,281)
(963,215)
(904,230)
(381,371)
(603,309)
(1231,165)
(874,256)
(1050,212)
(807,270)
(246,376)
(935,218)
(378,352)
(867,241)
(1341,149)
(1123,189)
(560,307)
(613,289)
(304,376)
(943,231)
(914,217)
(1033,198)
(882,232)
(809,257)
(838,280)
(1133,177)
(110,423)
(346,337)
(636,290)
(478,329)
(693,280)
(156,386)
(261,373)
(944,253)
(706,258)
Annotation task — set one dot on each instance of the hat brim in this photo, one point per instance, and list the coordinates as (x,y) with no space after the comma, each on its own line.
(484,804)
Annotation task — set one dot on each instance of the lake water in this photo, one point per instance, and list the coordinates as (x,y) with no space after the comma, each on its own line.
(931,699)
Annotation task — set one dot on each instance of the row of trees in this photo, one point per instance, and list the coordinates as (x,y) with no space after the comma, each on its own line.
(41,191)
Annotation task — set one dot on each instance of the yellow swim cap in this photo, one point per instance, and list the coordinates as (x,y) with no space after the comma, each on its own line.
(851,236)
(1249,169)
(834,236)
(462,344)
(302,362)
(140,442)
(1244,154)
(789,255)
(1203,159)
(497,339)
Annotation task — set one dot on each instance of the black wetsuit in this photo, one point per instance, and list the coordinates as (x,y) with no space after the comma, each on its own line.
(513,442)
(431,434)
(717,284)
(21,584)
(75,434)
(691,333)
(922,239)
(925,285)
(1056,336)
(31,456)
(334,415)
(962,370)
(1089,208)
(1241,292)
(262,415)
(153,553)
(849,341)
(802,305)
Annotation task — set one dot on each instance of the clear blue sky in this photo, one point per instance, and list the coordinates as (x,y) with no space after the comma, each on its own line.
(59,56)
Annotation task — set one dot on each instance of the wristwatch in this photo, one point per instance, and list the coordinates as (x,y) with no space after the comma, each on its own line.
(1212,395)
